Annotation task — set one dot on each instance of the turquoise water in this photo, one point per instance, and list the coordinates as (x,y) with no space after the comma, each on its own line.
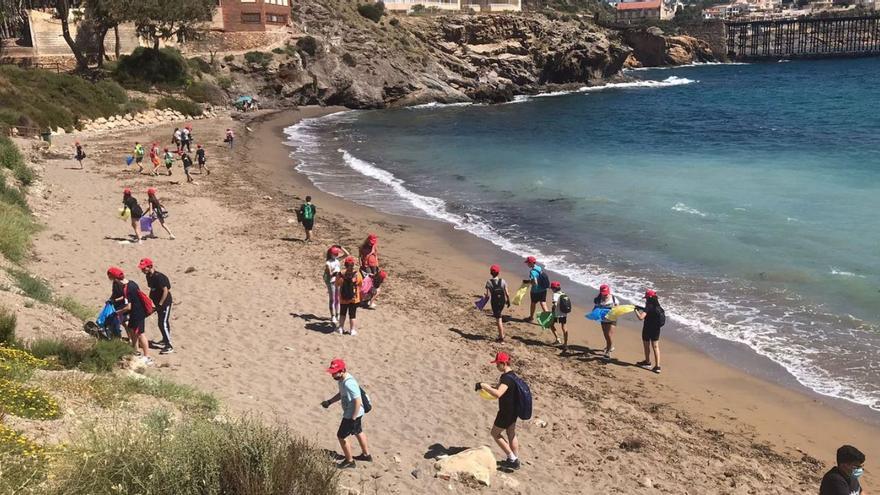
(747,195)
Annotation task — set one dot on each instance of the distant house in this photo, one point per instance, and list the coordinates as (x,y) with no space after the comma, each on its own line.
(251,15)
(407,5)
(635,11)
(492,5)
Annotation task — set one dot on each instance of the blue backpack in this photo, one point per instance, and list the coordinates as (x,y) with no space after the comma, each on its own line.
(543,279)
(523,398)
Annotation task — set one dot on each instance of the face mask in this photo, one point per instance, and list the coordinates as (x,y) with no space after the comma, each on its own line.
(858,472)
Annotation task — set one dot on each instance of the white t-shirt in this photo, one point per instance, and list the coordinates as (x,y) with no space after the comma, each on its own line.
(334,266)
(557,312)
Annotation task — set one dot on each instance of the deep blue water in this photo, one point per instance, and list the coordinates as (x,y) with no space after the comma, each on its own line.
(747,195)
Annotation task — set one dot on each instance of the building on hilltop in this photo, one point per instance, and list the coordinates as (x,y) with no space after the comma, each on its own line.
(492,5)
(407,5)
(251,15)
(645,10)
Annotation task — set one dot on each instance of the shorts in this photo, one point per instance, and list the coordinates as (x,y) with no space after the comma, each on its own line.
(351,308)
(562,320)
(349,427)
(136,327)
(651,334)
(308,224)
(537,297)
(504,419)
(496,311)
(138,159)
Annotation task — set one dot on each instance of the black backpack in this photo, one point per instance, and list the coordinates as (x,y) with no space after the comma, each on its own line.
(365,401)
(564,303)
(523,398)
(543,280)
(349,286)
(498,296)
(661,315)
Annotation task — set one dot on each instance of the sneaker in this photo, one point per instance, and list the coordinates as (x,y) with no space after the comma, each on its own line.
(372,305)
(334,320)
(346,465)
(364,457)
(508,464)
(643,364)
(353,332)
(172,238)
(148,361)
(340,331)
(167,350)
(656,369)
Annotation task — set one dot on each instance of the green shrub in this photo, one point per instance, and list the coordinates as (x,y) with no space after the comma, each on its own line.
(278,51)
(200,65)
(135,106)
(259,58)
(205,92)
(224,82)
(146,67)
(195,456)
(75,308)
(92,356)
(32,287)
(11,158)
(308,44)
(229,58)
(185,107)
(105,356)
(7,327)
(16,225)
(372,11)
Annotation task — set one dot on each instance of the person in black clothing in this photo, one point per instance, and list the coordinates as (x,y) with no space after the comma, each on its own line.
(202,160)
(187,164)
(154,207)
(505,421)
(129,202)
(843,479)
(306,216)
(80,154)
(160,294)
(650,330)
(131,305)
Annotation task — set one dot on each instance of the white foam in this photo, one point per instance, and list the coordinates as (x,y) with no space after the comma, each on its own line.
(684,66)
(644,84)
(843,273)
(683,208)
(437,104)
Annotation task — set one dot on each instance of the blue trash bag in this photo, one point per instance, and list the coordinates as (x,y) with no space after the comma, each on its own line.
(129,160)
(598,314)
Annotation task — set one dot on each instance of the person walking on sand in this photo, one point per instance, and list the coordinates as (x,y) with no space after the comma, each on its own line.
(186,139)
(80,155)
(169,161)
(606,300)
(561,309)
(349,284)
(160,294)
(843,479)
(306,216)
(654,317)
(155,208)
(134,308)
(175,137)
(139,153)
(154,158)
(507,393)
(369,254)
(230,138)
(332,269)
(354,406)
(499,298)
(187,164)
(202,160)
(135,211)
(539,284)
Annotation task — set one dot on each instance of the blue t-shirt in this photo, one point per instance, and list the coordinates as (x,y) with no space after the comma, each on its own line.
(533,274)
(349,390)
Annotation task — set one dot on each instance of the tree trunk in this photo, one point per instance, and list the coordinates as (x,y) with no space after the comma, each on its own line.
(116,35)
(102,52)
(63,9)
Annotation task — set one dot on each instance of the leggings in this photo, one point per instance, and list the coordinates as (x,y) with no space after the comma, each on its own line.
(333,299)
(164,314)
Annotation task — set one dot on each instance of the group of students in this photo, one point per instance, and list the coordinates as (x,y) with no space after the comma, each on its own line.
(155,210)
(497,295)
(349,288)
(133,307)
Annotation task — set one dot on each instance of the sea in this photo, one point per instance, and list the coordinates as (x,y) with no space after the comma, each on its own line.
(747,195)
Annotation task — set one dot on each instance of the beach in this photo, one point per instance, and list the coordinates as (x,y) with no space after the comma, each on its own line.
(249,326)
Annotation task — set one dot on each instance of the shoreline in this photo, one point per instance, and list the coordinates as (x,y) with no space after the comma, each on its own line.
(250,327)
(740,387)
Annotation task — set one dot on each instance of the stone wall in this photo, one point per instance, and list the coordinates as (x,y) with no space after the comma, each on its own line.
(235,42)
(142,119)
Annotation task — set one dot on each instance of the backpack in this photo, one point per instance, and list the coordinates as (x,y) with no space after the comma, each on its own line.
(365,401)
(308,212)
(523,398)
(349,284)
(564,303)
(497,294)
(543,280)
(661,315)
(145,299)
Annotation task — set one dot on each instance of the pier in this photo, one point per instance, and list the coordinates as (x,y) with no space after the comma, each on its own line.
(804,38)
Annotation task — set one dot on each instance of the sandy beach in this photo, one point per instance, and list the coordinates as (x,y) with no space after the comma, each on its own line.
(251,326)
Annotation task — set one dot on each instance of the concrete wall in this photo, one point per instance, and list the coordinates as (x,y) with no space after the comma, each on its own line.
(49,41)
(712,32)
(257,15)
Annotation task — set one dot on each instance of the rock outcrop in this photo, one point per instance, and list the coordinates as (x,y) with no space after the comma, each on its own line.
(651,48)
(470,465)
(345,59)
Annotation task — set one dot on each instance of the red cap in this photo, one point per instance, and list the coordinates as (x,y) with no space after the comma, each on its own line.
(336,366)
(198,146)
(604,290)
(115,273)
(650,293)
(144,263)
(77,143)
(334,251)
(501,357)
(349,261)
(372,238)
(126,191)
(495,269)
(555,285)
(382,275)
(189,127)
(531,259)
(166,149)
(151,191)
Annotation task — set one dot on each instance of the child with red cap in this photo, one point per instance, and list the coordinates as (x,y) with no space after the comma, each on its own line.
(561,309)
(332,269)
(654,317)
(539,285)
(378,280)
(160,294)
(369,253)
(499,297)
(154,158)
(349,284)
(354,404)
(507,393)
(202,159)
(154,207)
(129,202)
(126,299)
(80,154)
(169,160)
(606,300)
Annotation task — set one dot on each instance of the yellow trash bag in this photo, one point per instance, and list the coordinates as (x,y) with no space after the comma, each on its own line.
(618,311)
(124,213)
(520,294)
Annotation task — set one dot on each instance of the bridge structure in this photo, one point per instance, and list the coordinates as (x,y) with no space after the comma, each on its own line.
(804,38)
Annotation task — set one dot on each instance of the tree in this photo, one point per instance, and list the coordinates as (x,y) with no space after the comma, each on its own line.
(158,20)
(62,8)
(101,16)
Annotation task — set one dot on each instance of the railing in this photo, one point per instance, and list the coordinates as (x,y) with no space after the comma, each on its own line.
(804,38)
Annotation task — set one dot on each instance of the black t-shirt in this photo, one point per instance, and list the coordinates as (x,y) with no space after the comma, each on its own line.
(200,155)
(138,311)
(157,281)
(507,402)
(652,318)
(132,204)
(117,296)
(187,161)
(836,483)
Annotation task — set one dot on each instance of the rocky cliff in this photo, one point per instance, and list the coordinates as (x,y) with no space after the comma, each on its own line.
(342,58)
(651,48)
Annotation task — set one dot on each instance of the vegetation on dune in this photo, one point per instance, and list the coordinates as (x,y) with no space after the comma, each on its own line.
(185,107)
(16,224)
(147,67)
(93,356)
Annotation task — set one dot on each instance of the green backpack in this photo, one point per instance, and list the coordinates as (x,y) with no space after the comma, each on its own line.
(308,212)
